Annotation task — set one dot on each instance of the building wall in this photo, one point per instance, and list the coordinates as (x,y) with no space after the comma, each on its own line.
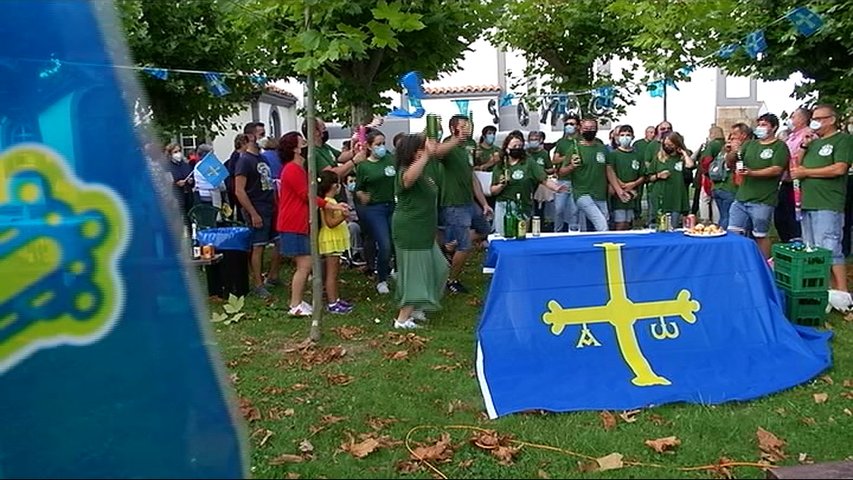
(223,144)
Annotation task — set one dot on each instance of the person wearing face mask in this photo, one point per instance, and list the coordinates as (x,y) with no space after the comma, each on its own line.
(823,174)
(374,191)
(182,179)
(565,210)
(625,173)
(764,160)
(517,175)
(667,174)
(785,217)
(488,154)
(588,174)
(329,158)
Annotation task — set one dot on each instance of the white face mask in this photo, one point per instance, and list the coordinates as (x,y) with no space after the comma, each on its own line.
(177,157)
(814,125)
(760,132)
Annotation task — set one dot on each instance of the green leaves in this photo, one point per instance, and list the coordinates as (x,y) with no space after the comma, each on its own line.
(235,304)
(232,309)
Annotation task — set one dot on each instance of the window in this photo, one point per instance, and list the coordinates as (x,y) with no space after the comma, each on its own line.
(274,123)
(189,142)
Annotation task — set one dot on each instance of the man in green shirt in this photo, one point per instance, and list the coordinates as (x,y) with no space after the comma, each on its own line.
(329,158)
(459,190)
(588,174)
(823,178)
(543,197)
(565,210)
(724,190)
(764,160)
(640,145)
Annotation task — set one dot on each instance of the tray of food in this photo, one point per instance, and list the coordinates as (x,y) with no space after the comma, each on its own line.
(704,231)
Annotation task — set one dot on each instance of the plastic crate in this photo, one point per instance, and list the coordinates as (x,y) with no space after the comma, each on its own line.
(800,270)
(806,308)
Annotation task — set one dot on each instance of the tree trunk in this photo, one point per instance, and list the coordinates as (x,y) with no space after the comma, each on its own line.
(360,114)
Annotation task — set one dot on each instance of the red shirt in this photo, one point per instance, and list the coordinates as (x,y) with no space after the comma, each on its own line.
(293,216)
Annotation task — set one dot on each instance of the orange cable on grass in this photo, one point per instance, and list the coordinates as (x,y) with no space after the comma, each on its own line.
(567,452)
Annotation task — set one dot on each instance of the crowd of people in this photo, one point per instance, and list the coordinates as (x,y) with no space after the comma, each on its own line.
(410,211)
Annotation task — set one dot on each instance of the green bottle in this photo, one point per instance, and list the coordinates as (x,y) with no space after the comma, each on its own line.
(521,219)
(510,221)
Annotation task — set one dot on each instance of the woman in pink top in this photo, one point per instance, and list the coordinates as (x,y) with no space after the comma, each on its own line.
(784,217)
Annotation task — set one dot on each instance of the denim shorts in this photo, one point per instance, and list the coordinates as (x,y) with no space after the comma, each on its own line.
(294,244)
(266,234)
(623,216)
(458,220)
(823,228)
(754,217)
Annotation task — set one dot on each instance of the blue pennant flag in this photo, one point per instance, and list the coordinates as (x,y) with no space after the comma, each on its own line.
(106,365)
(158,73)
(212,169)
(727,51)
(506,99)
(216,85)
(412,85)
(806,21)
(755,44)
(462,105)
(259,80)
(605,95)
(646,324)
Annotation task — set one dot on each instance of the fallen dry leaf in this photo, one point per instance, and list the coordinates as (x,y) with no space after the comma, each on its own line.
(770,446)
(440,451)
(500,446)
(271,390)
(543,474)
(805,459)
(249,412)
(360,449)
(289,412)
(465,463)
(455,405)
(847,395)
(292,475)
(298,386)
(820,398)
(339,379)
(305,446)
(447,353)
(720,469)
(398,355)
(849,317)
(446,368)
(662,445)
(781,411)
(848,412)
(657,419)
(377,423)
(474,302)
(608,420)
(415,342)
(827,379)
(264,435)
(808,421)
(325,421)
(408,466)
(610,462)
(304,345)
(347,332)
(848,383)
(629,416)
(233,378)
(286,458)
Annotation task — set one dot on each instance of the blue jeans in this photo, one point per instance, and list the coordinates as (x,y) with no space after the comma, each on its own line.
(593,210)
(753,217)
(565,210)
(724,202)
(377,220)
(822,228)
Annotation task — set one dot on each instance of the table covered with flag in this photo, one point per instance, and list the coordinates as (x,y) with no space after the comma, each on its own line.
(594,322)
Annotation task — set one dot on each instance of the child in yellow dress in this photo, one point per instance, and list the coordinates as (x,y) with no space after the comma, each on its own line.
(333,241)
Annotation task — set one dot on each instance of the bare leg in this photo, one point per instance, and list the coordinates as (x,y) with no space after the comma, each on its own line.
(839,277)
(764,246)
(256,260)
(457,265)
(405,313)
(333,265)
(300,277)
(275,264)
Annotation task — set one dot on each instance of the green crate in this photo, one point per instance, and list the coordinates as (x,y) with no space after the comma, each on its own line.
(801,271)
(806,308)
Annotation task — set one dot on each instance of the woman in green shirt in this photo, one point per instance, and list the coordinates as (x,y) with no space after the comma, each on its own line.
(422,268)
(667,173)
(517,177)
(374,191)
(487,152)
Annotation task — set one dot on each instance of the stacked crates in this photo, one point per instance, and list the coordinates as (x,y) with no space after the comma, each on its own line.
(803,276)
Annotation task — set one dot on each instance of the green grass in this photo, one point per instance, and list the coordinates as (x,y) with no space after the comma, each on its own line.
(436,386)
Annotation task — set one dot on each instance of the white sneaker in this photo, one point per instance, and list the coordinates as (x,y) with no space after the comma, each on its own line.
(419,316)
(382,288)
(393,274)
(840,301)
(409,324)
(301,310)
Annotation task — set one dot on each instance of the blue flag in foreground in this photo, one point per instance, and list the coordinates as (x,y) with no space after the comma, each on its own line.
(616,322)
(105,367)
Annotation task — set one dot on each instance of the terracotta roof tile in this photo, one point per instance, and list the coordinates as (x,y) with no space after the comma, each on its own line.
(274,89)
(462,89)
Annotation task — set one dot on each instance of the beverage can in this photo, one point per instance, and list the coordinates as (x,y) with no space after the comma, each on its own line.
(662,222)
(207,251)
(668,220)
(433,126)
(690,221)
(739,166)
(536,226)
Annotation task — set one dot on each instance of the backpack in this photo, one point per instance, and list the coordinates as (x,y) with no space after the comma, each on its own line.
(717,171)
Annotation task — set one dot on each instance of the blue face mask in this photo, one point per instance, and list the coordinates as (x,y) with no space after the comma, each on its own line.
(533,144)
(814,125)
(351,186)
(490,138)
(379,151)
(569,129)
(625,141)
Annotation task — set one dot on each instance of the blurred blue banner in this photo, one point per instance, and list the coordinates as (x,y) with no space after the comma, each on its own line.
(105,364)
(617,322)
